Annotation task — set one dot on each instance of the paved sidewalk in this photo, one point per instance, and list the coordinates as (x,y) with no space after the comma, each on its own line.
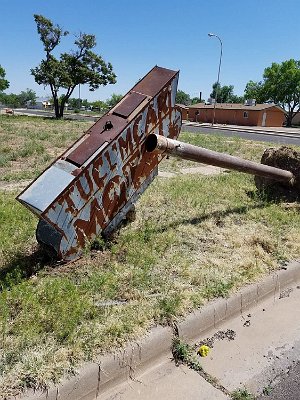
(258,129)
(167,382)
(266,345)
(256,342)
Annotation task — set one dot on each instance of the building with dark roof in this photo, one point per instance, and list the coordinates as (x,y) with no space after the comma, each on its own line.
(238,114)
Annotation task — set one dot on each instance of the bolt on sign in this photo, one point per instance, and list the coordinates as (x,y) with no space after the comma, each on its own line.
(93,185)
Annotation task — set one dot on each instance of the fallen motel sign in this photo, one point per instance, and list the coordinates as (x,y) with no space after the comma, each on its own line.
(90,189)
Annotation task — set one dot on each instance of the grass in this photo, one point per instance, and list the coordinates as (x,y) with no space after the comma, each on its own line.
(267,390)
(242,394)
(30,142)
(183,353)
(195,238)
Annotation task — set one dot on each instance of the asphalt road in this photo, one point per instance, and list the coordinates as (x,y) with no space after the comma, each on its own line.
(50,114)
(288,386)
(263,137)
(269,137)
(39,113)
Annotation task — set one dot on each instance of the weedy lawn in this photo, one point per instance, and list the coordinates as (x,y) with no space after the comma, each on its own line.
(29,144)
(195,238)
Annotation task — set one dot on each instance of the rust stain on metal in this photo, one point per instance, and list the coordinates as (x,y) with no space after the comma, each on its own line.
(109,167)
(151,84)
(130,103)
(95,138)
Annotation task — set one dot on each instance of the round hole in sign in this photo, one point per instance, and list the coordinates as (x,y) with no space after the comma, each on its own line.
(108,125)
(151,143)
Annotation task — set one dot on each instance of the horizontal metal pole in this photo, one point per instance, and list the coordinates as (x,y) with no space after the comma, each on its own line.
(199,154)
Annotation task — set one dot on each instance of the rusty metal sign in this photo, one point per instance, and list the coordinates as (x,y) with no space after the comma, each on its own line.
(92,186)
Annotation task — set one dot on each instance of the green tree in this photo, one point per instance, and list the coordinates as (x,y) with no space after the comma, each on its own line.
(78,103)
(183,98)
(99,105)
(222,94)
(12,100)
(281,85)
(225,94)
(2,98)
(255,90)
(196,100)
(27,95)
(113,100)
(4,84)
(237,99)
(74,103)
(81,66)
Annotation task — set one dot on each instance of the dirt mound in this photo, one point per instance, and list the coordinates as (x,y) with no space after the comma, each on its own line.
(283,158)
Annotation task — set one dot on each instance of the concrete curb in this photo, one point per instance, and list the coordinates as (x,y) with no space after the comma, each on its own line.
(220,310)
(96,378)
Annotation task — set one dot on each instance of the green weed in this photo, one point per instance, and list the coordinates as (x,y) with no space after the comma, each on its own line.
(31,148)
(16,227)
(24,174)
(267,390)
(242,394)
(183,353)
(6,156)
(217,288)
(4,160)
(169,307)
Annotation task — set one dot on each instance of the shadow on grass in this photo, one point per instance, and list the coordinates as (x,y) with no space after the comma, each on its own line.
(262,199)
(277,194)
(217,215)
(23,266)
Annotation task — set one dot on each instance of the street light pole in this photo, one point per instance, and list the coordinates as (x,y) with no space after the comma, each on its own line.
(218,80)
(79,100)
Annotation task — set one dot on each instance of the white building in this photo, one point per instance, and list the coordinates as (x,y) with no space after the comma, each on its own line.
(40,104)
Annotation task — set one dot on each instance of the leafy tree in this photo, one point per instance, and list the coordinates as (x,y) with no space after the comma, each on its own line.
(4,84)
(255,90)
(81,66)
(281,85)
(74,103)
(12,100)
(2,98)
(225,94)
(113,100)
(27,95)
(182,98)
(236,99)
(85,103)
(18,100)
(196,100)
(222,94)
(78,103)
(100,105)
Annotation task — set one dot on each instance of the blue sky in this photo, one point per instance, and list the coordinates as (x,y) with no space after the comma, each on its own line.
(136,35)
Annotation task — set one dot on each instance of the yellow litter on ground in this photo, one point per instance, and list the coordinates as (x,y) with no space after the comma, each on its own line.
(203,350)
